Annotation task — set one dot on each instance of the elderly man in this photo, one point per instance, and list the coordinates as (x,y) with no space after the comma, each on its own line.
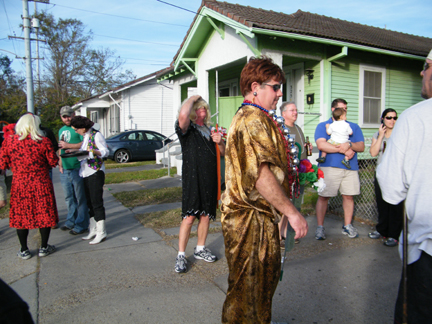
(403,174)
(289,113)
(77,221)
(337,176)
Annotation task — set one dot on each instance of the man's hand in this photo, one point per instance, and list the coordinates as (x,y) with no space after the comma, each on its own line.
(62,144)
(344,147)
(271,190)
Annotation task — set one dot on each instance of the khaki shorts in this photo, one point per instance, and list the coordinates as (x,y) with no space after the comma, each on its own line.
(336,179)
(2,188)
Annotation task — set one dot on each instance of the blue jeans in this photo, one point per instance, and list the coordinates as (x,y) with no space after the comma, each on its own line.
(73,188)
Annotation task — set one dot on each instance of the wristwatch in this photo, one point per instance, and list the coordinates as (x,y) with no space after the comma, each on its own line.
(350,144)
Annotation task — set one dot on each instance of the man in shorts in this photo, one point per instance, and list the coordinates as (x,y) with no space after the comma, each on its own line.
(337,176)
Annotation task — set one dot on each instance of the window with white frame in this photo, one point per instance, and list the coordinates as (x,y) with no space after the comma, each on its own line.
(228,88)
(372,95)
(114,119)
(94,116)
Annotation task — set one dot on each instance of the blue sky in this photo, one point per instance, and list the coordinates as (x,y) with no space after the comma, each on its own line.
(148,33)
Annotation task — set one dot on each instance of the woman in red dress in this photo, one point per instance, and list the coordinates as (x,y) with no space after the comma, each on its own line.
(32,202)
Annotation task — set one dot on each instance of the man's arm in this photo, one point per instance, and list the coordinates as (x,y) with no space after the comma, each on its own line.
(65,145)
(271,190)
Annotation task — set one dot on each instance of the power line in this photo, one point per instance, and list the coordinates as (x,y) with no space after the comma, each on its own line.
(197,13)
(118,16)
(181,8)
(133,40)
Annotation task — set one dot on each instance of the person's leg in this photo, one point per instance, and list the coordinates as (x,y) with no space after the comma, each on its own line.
(203,227)
(3,190)
(348,208)
(95,186)
(396,222)
(383,211)
(321,209)
(184,233)
(333,178)
(22,237)
(283,227)
(45,233)
(419,282)
(82,218)
(71,202)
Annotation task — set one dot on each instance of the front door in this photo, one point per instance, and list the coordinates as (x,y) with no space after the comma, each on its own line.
(294,75)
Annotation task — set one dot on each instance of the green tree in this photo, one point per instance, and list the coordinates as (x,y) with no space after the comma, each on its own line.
(13,100)
(72,69)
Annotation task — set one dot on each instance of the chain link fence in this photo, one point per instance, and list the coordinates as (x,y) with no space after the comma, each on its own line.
(365,208)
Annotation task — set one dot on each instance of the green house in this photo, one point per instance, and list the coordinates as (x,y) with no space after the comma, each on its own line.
(324,58)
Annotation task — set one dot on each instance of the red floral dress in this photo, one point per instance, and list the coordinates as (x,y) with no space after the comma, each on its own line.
(32,201)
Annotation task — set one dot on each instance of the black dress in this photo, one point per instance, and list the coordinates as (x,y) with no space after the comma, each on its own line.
(199,172)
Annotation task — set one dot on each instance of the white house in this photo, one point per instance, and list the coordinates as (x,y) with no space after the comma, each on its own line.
(140,104)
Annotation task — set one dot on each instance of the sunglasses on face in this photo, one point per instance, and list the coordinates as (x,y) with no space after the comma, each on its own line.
(276,87)
(426,66)
(390,117)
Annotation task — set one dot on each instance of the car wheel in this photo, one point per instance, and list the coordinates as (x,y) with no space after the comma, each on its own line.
(122,156)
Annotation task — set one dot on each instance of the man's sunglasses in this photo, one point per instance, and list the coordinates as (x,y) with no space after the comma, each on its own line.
(390,117)
(276,87)
(426,66)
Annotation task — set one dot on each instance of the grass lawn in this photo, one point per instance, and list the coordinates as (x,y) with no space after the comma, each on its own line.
(166,219)
(137,175)
(149,196)
(110,164)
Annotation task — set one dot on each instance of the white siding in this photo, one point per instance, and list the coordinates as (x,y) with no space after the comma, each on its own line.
(148,106)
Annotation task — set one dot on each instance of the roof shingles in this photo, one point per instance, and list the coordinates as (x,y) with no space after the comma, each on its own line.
(310,24)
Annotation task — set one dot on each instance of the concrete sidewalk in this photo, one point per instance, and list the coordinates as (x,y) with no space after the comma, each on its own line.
(339,280)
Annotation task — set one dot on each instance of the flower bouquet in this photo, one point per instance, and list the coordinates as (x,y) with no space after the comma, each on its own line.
(311,174)
(221,130)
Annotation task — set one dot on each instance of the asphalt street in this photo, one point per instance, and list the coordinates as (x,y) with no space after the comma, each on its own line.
(339,280)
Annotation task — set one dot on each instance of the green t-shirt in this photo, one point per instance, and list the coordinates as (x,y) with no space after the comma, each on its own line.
(67,134)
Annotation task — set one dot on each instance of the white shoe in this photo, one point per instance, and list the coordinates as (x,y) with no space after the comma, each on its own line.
(100,232)
(92,229)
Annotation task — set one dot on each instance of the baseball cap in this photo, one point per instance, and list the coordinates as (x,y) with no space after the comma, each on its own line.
(66,111)
(430,55)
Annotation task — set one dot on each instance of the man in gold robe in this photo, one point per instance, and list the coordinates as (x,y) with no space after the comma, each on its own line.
(258,178)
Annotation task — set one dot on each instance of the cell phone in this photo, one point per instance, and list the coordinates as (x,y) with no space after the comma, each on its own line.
(382,121)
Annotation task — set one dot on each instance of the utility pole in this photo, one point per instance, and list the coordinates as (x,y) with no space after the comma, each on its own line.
(35,24)
(29,74)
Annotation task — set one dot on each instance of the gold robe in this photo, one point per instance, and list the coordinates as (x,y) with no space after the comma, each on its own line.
(249,222)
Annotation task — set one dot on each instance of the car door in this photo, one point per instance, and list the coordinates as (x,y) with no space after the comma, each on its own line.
(131,143)
(154,142)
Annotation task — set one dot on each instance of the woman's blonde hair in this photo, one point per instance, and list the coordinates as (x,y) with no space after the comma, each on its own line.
(27,125)
(197,105)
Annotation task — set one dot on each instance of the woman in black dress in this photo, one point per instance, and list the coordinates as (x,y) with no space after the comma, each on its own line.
(199,176)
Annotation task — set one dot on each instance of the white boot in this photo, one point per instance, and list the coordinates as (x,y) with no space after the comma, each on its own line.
(92,229)
(100,232)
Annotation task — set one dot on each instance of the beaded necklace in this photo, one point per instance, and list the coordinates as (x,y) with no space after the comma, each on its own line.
(96,162)
(291,149)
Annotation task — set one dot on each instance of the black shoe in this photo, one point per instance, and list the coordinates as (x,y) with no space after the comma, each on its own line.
(65,228)
(55,226)
(73,232)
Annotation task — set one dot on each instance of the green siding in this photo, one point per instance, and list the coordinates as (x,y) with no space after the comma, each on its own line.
(228,107)
(310,121)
